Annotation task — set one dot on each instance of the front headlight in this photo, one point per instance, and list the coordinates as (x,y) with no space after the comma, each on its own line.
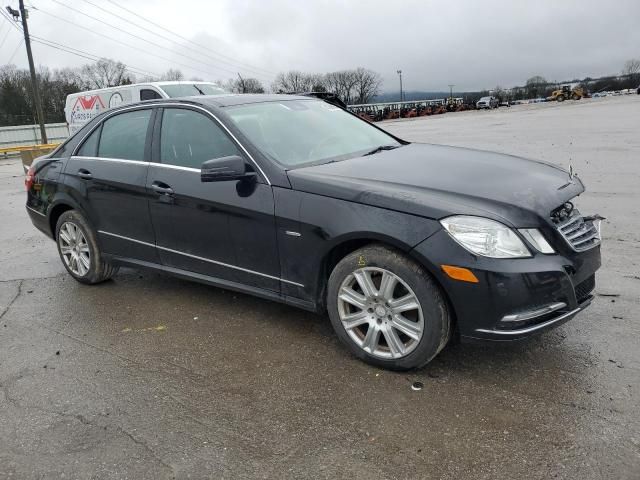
(535,238)
(485,237)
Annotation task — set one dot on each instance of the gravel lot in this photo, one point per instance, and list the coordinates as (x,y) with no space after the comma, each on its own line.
(152,377)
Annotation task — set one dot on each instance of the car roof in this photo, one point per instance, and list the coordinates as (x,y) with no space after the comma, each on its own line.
(219,101)
(244,98)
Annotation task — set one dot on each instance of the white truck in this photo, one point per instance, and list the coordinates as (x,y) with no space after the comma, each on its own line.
(83,106)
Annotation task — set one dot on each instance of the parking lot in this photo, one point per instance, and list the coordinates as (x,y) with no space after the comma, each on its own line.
(148,376)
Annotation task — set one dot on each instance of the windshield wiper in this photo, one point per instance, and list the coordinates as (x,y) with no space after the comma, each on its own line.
(199,91)
(380,149)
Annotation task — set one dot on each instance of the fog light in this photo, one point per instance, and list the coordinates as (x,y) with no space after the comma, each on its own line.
(531,314)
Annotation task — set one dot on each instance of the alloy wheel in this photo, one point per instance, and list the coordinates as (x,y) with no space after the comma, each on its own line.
(380,312)
(74,249)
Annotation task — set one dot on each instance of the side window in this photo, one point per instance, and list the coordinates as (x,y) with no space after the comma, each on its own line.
(189,139)
(124,135)
(90,146)
(148,94)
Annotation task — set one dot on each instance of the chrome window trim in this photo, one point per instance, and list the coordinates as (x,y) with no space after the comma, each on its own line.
(222,264)
(117,160)
(170,104)
(175,167)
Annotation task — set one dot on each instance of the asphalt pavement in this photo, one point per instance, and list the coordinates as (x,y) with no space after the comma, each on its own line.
(151,377)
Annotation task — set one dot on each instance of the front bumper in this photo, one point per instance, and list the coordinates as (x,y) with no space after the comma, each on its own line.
(514,298)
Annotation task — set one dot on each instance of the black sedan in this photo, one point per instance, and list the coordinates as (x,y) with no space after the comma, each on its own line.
(296,200)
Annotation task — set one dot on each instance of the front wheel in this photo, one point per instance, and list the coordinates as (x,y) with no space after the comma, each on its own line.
(387,309)
(79,251)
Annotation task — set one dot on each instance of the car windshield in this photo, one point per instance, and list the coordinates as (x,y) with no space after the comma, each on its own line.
(175,90)
(302,132)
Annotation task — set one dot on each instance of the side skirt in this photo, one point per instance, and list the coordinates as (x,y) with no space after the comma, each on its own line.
(214,281)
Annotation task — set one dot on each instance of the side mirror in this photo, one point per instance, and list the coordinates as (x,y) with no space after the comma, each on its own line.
(225,168)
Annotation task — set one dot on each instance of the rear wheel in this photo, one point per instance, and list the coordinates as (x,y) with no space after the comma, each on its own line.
(560,98)
(387,309)
(78,249)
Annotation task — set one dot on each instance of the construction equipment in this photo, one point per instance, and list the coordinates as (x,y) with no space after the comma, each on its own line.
(567,92)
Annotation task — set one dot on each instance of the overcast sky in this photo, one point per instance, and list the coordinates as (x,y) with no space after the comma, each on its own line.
(474,44)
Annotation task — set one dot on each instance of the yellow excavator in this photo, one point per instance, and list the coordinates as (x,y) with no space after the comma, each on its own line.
(567,92)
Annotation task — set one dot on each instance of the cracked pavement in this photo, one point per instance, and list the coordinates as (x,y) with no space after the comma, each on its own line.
(151,377)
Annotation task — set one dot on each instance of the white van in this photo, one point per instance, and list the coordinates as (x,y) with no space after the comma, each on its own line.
(83,106)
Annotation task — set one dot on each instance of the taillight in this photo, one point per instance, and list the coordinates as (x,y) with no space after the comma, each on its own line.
(30,178)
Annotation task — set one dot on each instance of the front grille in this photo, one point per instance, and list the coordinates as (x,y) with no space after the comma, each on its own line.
(584,288)
(579,233)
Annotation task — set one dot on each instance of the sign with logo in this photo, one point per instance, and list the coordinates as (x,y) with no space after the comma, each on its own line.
(85,108)
(115,100)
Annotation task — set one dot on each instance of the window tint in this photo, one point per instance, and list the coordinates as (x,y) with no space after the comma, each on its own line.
(189,139)
(90,146)
(124,135)
(147,94)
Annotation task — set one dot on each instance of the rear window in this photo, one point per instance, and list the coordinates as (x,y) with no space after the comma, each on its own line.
(124,135)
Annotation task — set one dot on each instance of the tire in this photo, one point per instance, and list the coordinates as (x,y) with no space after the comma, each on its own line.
(560,98)
(424,330)
(82,257)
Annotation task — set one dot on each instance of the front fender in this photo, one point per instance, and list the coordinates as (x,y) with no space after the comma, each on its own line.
(311,226)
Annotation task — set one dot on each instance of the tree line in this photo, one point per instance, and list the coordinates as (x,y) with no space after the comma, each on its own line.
(17,107)
(353,86)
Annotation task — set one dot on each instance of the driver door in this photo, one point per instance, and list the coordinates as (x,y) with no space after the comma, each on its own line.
(221,229)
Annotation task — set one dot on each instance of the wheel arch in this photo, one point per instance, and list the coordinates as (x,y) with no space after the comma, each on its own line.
(62,204)
(350,243)
(343,246)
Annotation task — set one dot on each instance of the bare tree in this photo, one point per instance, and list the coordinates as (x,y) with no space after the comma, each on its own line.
(105,73)
(294,81)
(367,85)
(172,75)
(352,86)
(243,85)
(343,84)
(536,85)
(632,69)
(537,80)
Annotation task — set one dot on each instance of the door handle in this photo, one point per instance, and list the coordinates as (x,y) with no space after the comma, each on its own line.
(85,174)
(162,188)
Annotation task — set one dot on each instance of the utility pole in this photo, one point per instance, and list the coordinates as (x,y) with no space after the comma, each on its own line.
(32,68)
(399,72)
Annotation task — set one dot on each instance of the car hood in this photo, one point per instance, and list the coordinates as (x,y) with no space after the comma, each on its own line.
(436,181)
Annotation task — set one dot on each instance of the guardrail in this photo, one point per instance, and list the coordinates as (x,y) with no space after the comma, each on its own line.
(23,135)
(23,148)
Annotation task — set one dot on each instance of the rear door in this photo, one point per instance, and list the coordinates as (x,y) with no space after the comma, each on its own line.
(220,229)
(107,177)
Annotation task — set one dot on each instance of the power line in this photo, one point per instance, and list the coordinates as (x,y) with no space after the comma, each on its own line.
(184,38)
(128,45)
(72,50)
(15,51)
(87,55)
(232,62)
(5,36)
(9,19)
(162,47)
